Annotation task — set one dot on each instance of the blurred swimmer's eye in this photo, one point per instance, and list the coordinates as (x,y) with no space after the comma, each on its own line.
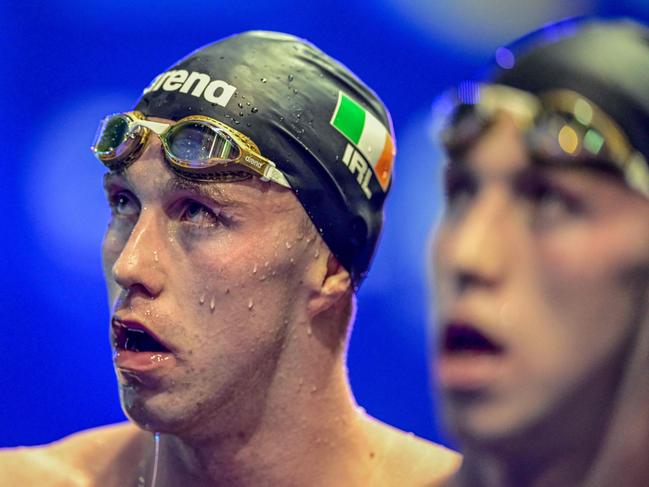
(549,200)
(460,186)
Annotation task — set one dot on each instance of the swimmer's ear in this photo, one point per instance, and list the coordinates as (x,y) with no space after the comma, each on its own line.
(335,285)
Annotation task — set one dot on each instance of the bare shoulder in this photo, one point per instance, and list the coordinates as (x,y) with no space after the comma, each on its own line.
(77,460)
(409,460)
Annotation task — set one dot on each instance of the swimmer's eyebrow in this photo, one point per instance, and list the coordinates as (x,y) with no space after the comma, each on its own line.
(201,189)
(112,177)
(177,184)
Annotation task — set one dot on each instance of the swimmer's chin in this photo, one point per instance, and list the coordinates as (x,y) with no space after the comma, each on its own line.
(151,413)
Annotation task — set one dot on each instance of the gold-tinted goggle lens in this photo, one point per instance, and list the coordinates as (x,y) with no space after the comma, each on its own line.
(559,126)
(197,145)
(191,144)
(115,138)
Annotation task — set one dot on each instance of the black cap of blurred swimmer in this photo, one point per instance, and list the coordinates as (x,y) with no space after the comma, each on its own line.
(324,128)
(606,61)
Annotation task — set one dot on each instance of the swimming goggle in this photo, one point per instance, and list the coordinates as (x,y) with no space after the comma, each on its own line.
(196,147)
(560,126)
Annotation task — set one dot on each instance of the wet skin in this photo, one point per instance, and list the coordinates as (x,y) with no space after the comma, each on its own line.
(248,313)
(552,265)
(216,272)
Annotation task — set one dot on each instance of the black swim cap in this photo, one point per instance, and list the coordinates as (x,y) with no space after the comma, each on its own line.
(605,61)
(325,129)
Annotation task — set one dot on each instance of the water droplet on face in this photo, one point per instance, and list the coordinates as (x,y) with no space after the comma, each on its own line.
(254,269)
(263,80)
(254,109)
(201,300)
(250,303)
(292,260)
(316,254)
(155,256)
(309,331)
(313,389)
(288,244)
(212,304)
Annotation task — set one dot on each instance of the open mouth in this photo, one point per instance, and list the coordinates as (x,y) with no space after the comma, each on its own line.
(135,338)
(463,338)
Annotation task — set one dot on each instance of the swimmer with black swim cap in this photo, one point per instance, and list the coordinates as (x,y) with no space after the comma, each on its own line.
(541,262)
(246,190)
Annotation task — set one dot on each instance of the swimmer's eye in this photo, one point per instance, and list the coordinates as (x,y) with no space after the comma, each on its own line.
(459,186)
(549,199)
(123,203)
(198,214)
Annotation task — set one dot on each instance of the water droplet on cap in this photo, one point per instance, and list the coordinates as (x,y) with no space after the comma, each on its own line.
(263,80)
(254,109)
(290,78)
(240,105)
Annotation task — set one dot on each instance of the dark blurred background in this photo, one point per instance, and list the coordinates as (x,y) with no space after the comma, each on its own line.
(66,63)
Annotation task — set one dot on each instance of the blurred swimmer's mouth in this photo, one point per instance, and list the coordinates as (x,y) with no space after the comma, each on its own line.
(465,338)
(469,359)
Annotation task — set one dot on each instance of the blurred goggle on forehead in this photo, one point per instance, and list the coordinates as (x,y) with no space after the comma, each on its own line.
(560,126)
(195,147)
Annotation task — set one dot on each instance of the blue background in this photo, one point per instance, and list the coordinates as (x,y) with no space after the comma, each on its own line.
(64,64)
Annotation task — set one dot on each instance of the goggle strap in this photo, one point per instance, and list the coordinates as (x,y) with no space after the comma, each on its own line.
(271,173)
(636,174)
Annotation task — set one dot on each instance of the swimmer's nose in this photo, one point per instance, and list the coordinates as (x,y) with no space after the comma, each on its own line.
(140,263)
(478,247)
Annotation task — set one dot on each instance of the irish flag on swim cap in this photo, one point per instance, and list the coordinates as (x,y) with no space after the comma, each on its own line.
(369,136)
